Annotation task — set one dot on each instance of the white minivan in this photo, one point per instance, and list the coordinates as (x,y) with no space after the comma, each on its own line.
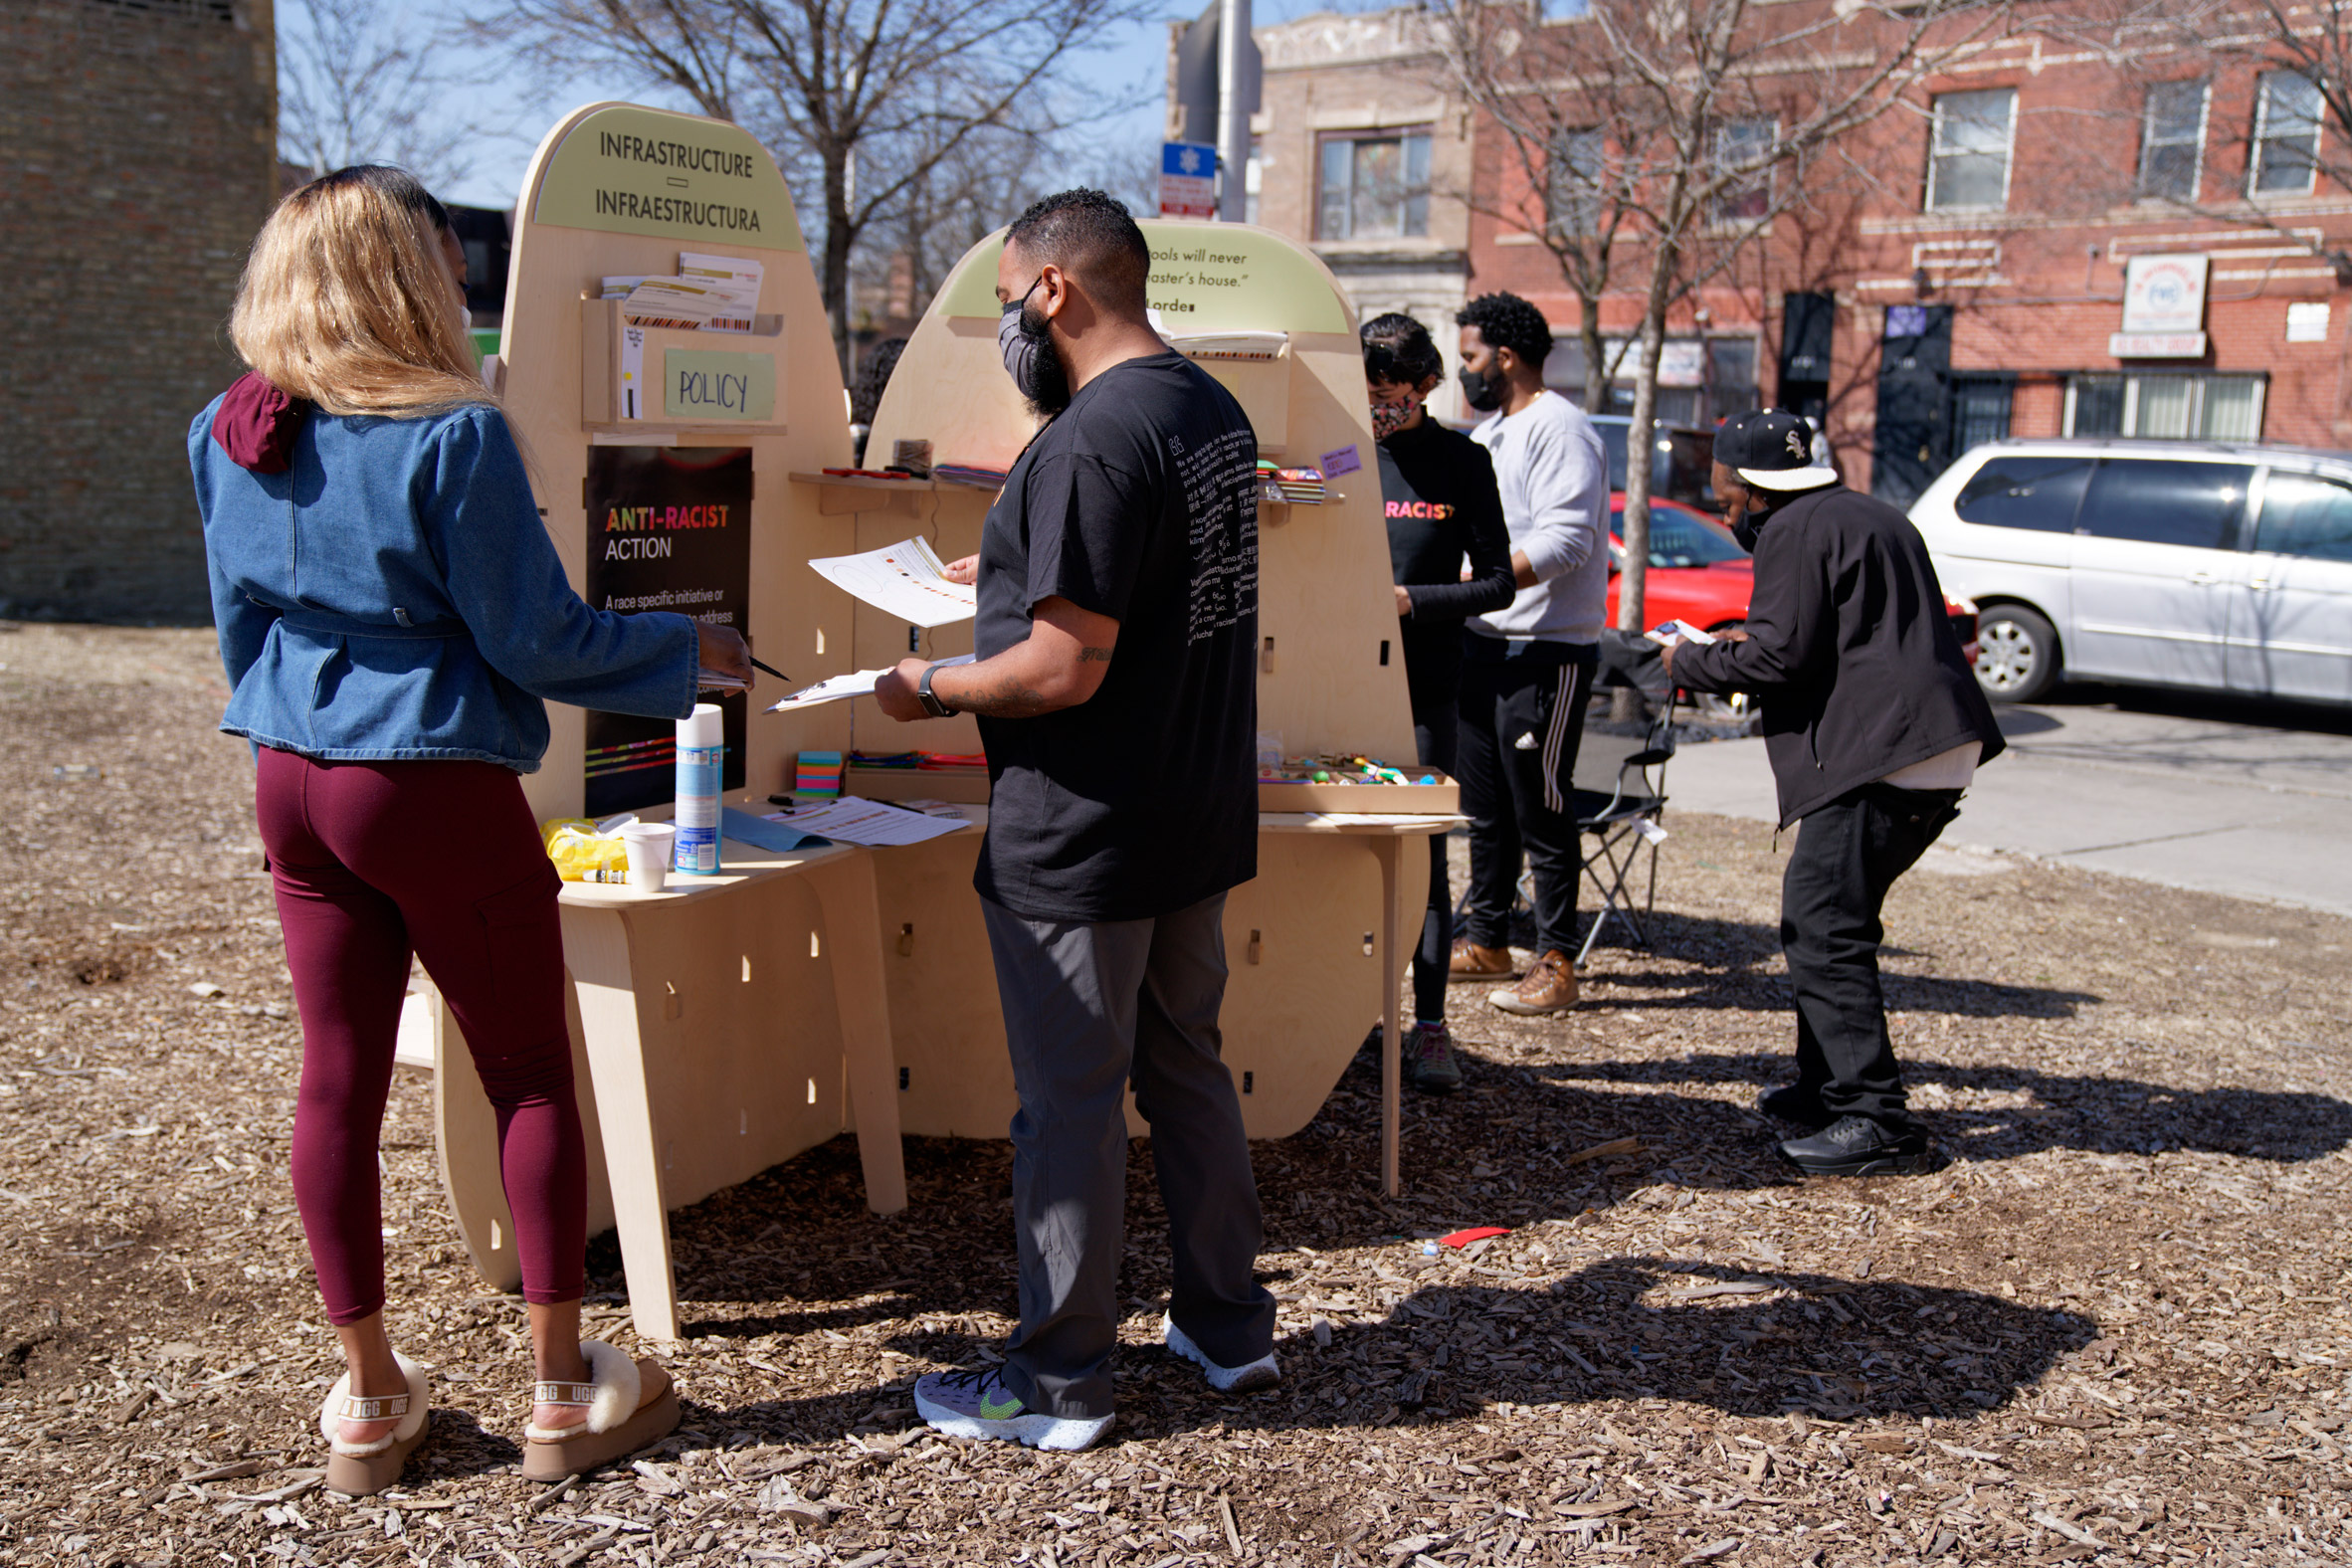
(2206,565)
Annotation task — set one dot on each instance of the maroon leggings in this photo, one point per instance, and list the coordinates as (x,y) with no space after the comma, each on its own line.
(370,859)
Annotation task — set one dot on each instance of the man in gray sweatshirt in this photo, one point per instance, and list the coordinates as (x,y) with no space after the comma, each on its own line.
(1528,669)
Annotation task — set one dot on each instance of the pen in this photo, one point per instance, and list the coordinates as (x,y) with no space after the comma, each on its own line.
(770,668)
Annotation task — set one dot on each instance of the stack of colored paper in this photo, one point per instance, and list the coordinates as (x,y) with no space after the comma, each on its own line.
(816,773)
(1302,485)
(971,473)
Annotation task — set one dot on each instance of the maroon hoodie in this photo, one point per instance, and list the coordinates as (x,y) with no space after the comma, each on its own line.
(256,425)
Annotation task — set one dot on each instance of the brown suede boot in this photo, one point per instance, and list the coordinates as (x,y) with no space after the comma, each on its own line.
(1548,986)
(1473,962)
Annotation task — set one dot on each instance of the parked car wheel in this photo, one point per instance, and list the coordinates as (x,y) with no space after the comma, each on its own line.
(2017,654)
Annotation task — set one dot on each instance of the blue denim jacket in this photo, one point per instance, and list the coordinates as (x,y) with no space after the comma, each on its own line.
(393,594)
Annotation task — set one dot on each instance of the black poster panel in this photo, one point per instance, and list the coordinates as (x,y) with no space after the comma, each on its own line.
(669,529)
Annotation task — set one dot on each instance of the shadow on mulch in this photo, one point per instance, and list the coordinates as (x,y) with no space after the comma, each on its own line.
(462,1446)
(2100,1116)
(1645,1327)
(1841,1350)
(1731,950)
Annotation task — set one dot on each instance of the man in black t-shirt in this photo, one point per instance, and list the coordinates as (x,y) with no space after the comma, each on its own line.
(1123,805)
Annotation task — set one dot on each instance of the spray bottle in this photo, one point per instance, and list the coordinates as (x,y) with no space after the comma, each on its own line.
(701,756)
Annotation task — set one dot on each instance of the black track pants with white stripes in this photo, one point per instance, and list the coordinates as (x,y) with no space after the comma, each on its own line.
(1523,716)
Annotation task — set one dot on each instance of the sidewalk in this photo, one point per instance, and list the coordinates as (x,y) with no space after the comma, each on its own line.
(2252,811)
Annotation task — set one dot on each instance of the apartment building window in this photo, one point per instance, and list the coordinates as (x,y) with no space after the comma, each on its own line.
(2172,140)
(1968,149)
(2179,405)
(2286,135)
(1979,410)
(1374,185)
(1731,376)
(1579,159)
(1739,143)
(1254,178)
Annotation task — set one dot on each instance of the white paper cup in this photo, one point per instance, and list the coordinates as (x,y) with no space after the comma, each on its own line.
(650,847)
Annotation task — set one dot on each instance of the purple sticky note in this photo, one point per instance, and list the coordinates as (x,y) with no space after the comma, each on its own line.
(1344,460)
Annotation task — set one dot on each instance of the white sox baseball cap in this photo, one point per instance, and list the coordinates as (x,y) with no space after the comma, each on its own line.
(1771,449)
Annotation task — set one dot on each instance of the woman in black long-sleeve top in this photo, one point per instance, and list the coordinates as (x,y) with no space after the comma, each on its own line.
(1439,493)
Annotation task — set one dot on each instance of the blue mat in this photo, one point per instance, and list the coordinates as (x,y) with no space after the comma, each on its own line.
(762,833)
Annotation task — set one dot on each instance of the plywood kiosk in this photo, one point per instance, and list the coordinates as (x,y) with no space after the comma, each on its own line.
(733,1021)
(1314,939)
(729,1023)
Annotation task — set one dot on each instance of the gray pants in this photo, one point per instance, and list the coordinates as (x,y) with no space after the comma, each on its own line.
(1088,1009)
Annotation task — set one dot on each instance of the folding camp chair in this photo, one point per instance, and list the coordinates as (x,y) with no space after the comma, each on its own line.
(1618,794)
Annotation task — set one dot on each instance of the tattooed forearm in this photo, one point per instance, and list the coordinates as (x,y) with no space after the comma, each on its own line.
(1058,666)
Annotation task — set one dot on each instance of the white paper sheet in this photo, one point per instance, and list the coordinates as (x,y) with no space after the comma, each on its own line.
(866,822)
(1669,633)
(907,579)
(833,688)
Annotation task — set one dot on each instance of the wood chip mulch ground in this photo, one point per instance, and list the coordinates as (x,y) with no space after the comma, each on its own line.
(2112,1328)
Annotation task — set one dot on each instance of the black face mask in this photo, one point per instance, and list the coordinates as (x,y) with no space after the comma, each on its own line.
(1482,390)
(1028,349)
(1749,525)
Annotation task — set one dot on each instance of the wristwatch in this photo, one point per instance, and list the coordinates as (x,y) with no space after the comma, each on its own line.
(922,690)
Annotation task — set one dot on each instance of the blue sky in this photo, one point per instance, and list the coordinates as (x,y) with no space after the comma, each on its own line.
(1136,64)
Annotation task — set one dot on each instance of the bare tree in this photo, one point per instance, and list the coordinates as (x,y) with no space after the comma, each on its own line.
(362,82)
(1662,136)
(864,99)
(1567,158)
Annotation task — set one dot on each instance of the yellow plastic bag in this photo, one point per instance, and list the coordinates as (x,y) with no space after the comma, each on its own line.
(580,854)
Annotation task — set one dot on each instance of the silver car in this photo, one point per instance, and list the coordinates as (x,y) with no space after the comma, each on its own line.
(2206,565)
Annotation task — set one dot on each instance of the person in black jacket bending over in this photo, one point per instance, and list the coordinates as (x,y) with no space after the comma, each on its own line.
(1438,488)
(1874,724)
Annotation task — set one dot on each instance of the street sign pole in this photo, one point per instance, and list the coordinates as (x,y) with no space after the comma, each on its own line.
(1233,105)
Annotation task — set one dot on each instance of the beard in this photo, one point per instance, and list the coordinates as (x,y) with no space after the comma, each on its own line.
(1043,384)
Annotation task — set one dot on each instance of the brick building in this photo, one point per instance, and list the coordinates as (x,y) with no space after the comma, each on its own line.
(141,156)
(1361,153)
(2071,241)
(1972,280)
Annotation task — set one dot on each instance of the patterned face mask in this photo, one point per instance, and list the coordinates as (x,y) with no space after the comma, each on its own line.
(1389,418)
(1029,357)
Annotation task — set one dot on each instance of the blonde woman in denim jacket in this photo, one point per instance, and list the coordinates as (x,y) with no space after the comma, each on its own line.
(393,620)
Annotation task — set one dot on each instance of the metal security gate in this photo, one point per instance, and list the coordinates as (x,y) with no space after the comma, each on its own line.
(1914,436)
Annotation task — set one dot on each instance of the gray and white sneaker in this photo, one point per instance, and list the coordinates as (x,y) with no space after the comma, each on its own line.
(978,1405)
(1261,1373)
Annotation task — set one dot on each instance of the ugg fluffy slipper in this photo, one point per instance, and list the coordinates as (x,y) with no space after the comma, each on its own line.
(361,1469)
(630,1404)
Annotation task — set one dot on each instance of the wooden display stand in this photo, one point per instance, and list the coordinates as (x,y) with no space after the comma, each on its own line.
(1314,940)
(736,1021)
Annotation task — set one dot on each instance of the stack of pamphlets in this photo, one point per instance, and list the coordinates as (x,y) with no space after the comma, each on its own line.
(1303,485)
(972,473)
(816,773)
(711,293)
(1230,346)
